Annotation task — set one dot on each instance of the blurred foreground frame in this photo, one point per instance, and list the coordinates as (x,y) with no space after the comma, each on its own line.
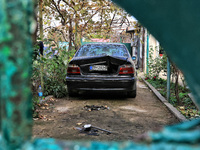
(176,24)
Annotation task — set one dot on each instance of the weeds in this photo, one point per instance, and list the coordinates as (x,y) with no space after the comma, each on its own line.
(185,105)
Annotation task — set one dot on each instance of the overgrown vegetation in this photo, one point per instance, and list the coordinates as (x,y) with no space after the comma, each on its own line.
(53,67)
(54,72)
(156,64)
(185,104)
(78,19)
(179,94)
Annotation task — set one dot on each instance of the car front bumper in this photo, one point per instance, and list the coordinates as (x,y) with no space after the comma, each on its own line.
(101,83)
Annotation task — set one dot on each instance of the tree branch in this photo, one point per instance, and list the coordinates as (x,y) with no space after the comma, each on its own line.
(58,10)
(90,18)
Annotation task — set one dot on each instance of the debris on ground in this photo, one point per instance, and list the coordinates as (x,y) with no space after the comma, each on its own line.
(94,107)
(91,130)
(40,108)
(79,123)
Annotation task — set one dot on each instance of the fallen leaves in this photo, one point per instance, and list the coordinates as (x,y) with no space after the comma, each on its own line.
(44,118)
(189,113)
(42,108)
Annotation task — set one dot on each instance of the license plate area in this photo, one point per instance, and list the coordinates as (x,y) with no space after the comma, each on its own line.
(98,68)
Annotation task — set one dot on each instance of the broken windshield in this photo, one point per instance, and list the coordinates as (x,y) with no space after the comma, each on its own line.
(91,50)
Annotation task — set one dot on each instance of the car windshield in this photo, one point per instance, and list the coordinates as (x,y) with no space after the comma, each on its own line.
(101,50)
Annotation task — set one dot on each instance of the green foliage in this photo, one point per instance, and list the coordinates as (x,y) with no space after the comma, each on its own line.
(163,93)
(185,102)
(35,103)
(173,99)
(35,52)
(83,19)
(183,95)
(54,72)
(158,83)
(99,36)
(156,64)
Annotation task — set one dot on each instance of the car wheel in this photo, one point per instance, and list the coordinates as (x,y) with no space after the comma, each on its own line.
(72,93)
(132,94)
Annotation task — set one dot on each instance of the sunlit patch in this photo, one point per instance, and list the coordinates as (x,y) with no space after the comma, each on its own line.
(133,108)
(62,109)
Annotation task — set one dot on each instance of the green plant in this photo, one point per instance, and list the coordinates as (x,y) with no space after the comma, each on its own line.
(173,99)
(182,95)
(35,103)
(156,64)
(185,104)
(163,93)
(54,72)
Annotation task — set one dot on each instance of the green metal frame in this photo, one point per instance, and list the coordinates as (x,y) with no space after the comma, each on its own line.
(168,79)
(147,54)
(174,23)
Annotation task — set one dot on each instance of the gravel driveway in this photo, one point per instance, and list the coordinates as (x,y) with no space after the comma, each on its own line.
(125,118)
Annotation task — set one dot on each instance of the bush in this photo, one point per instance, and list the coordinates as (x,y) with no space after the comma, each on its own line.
(54,69)
(157,64)
(184,105)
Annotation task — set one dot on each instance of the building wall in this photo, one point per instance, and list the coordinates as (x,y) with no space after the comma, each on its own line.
(152,43)
(139,45)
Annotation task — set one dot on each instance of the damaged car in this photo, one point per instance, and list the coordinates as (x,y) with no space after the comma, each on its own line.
(102,67)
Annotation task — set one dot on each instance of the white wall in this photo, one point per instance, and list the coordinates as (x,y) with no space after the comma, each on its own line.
(152,43)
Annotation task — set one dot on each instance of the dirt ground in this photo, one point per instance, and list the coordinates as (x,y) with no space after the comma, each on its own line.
(126,118)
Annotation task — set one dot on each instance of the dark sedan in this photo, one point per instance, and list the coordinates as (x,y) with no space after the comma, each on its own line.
(102,67)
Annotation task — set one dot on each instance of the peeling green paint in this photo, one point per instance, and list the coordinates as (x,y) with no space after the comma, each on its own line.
(15,62)
(176,25)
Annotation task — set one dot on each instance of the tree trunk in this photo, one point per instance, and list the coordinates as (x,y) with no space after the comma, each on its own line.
(41,19)
(70,34)
(176,70)
(41,38)
(34,35)
(76,33)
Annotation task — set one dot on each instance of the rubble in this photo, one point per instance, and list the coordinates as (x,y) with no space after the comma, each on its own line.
(94,107)
(91,130)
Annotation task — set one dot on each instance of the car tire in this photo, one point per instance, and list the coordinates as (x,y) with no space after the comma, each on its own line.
(132,94)
(72,93)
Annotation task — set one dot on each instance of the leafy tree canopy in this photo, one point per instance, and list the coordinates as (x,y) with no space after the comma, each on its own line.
(70,20)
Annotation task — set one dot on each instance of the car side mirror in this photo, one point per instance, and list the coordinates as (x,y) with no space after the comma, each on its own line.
(133,57)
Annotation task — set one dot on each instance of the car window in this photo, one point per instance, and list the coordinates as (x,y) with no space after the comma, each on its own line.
(101,50)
